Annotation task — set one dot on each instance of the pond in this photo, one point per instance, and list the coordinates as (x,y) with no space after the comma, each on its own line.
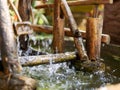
(61,77)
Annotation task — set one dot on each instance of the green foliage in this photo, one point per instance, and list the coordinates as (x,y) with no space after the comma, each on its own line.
(40,18)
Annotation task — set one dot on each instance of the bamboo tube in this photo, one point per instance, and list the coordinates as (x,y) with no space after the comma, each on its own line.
(77,3)
(93,38)
(58,28)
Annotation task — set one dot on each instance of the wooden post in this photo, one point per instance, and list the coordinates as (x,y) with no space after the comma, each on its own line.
(58,28)
(94,32)
(73,26)
(93,38)
(8,43)
(24,9)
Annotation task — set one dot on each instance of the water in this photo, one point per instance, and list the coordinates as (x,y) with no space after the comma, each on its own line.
(62,77)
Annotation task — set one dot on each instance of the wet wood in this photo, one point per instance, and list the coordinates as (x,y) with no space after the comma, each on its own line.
(73,27)
(49,30)
(77,3)
(93,38)
(46,59)
(15,82)
(8,43)
(58,28)
(20,30)
(24,9)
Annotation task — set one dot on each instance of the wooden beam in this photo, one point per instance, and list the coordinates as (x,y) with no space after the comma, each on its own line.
(77,3)
(73,27)
(49,30)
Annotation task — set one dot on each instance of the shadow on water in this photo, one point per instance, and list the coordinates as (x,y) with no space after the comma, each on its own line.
(61,77)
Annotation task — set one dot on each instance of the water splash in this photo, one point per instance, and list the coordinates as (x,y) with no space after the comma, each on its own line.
(61,77)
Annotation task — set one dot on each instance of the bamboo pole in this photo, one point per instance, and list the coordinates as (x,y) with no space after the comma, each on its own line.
(15,10)
(77,3)
(58,28)
(73,27)
(94,31)
(8,44)
(45,59)
(93,38)
(49,30)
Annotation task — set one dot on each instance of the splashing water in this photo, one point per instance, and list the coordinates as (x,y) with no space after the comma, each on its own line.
(62,77)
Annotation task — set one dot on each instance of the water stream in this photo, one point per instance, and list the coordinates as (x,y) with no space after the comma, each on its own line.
(62,77)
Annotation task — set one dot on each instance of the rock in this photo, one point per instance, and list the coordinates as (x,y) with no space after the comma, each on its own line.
(110,87)
(89,66)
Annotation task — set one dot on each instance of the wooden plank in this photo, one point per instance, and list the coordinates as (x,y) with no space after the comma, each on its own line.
(77,3)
